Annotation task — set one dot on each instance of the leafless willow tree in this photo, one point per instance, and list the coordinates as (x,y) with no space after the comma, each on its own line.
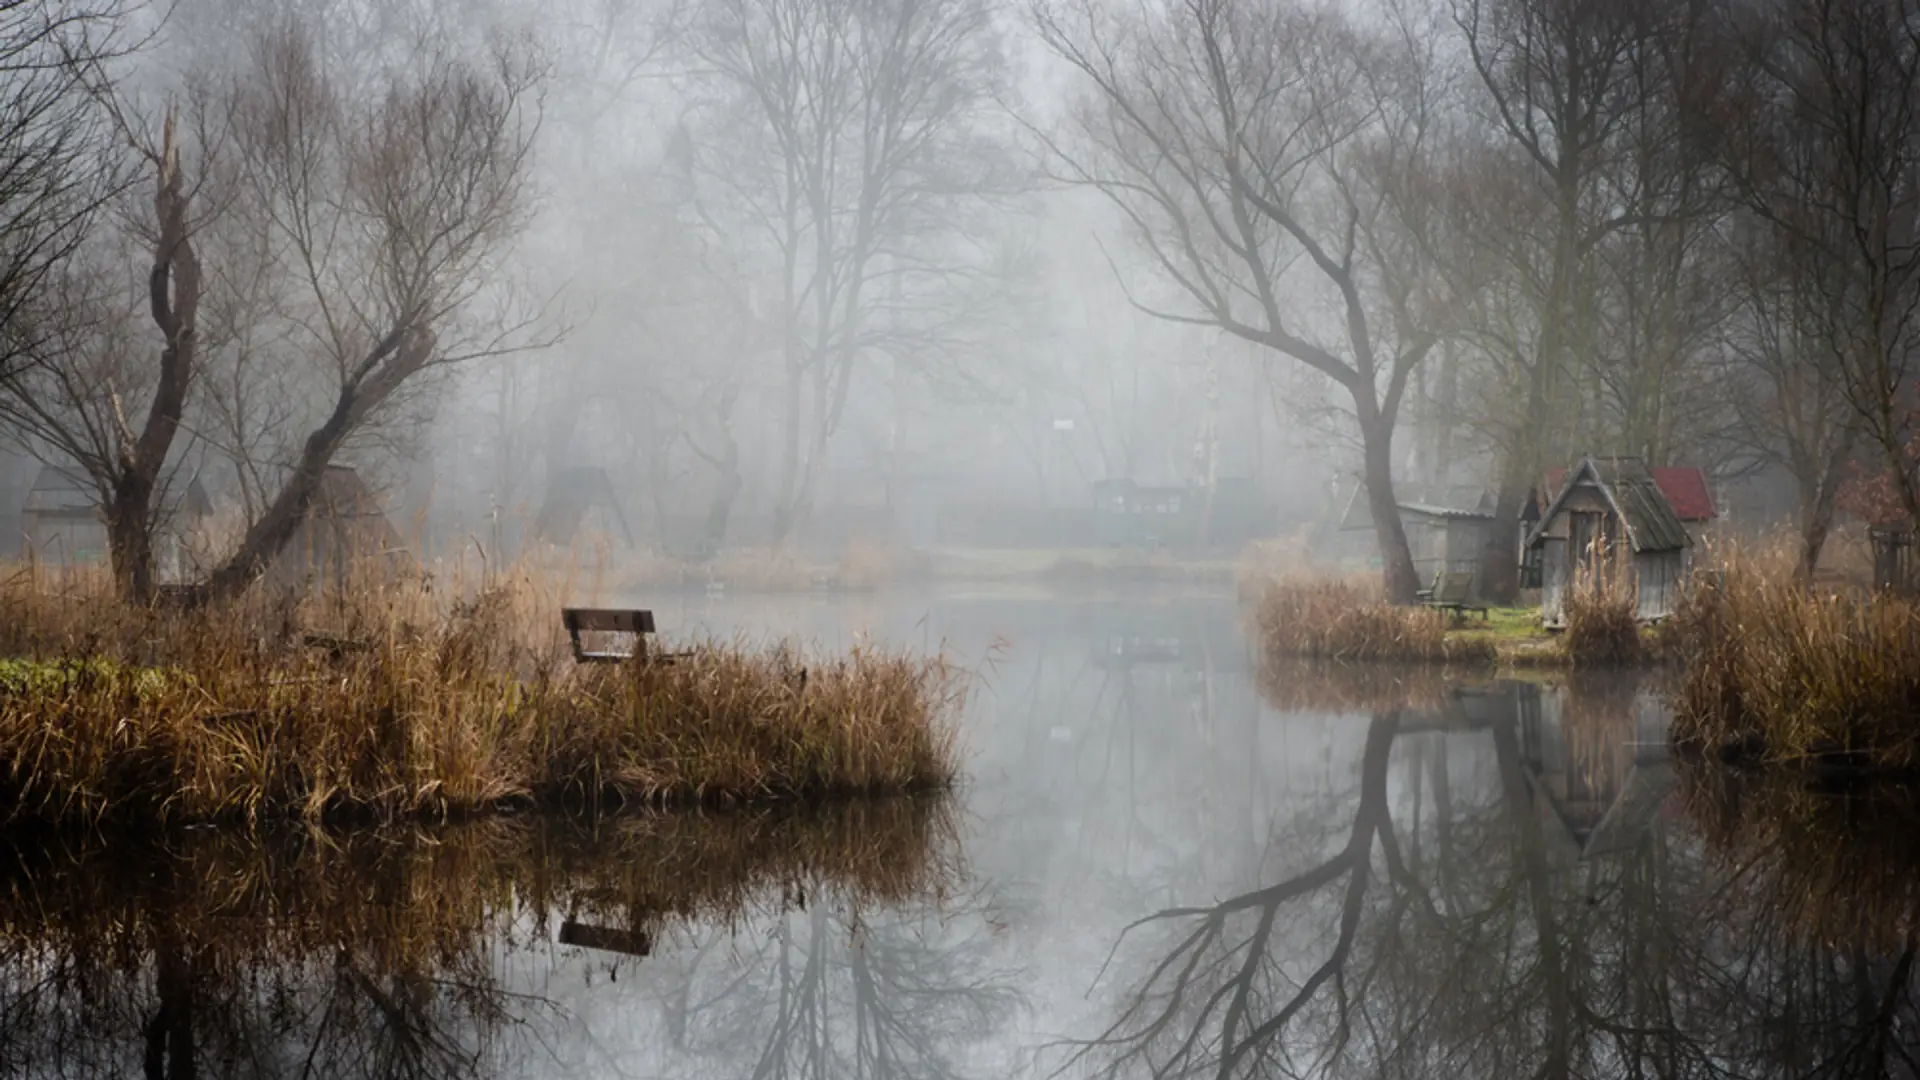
(96,374)
(1269,158)
(385,212)
(1561,87)
(850,145)
(1790,400)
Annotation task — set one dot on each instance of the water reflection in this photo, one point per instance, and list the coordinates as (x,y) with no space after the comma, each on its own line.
(408,953)
(1560,917)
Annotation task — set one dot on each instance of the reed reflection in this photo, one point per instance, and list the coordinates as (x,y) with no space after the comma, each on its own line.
(1517,880)
(382,954)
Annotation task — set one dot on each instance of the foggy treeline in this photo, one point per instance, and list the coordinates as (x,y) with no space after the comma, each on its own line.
(772,263)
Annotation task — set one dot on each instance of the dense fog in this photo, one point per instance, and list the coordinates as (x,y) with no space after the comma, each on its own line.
(918,274)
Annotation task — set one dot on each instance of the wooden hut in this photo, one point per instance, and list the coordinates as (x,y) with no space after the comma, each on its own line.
(580,501)
(61,518)
(1611,512)
(1448,527)
(344,527)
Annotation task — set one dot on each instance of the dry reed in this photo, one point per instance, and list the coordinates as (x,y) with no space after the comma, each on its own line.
(387,701)
(1776,670)
(1348,622)
(1603,618)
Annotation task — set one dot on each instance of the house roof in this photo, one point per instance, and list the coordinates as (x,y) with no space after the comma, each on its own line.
(1684,486)
(57,491)
(1437,500)
(576,490)
(1629,487)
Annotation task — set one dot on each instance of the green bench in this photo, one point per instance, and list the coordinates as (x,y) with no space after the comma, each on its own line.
(1452,590)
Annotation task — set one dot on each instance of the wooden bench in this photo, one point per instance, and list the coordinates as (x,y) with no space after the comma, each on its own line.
(1452,591)
(633,621)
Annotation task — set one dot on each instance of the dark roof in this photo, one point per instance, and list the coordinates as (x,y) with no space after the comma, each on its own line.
(1629,488)
(1684,486)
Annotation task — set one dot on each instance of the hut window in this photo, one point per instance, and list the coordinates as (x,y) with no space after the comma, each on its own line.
(1531,575)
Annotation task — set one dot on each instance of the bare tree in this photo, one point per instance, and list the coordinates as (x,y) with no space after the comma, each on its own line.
(1830,159)
(72,404)
(387,210)
(56,171)
(1242,140)
(1790,399)
(1561,88)
(853,143)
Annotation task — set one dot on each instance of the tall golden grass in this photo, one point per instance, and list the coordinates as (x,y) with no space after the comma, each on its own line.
(1330,619)
(428,698)
(1781,671)
(1603,617)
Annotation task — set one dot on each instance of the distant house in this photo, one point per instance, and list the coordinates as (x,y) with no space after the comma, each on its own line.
(62,522)
(1448,527)
(345,527)
(1610,509)
(1131,514)
(61,518)
(580,501)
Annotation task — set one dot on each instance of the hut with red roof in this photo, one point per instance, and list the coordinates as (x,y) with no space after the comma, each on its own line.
(1615,511)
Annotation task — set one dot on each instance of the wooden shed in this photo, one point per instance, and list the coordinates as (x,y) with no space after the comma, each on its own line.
(345,527)
(580,502)
(61,518)
(1611,512)
(1448,527)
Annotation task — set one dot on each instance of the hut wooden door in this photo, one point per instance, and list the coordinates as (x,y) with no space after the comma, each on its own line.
(1590,536)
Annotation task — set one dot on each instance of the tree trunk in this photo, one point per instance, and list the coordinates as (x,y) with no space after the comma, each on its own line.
(173,300)
(1390,534)
(719,512)
(783,507)
(169,1034)
(130,538)
(1816,524)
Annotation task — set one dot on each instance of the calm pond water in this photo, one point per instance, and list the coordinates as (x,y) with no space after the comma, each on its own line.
(1160,865)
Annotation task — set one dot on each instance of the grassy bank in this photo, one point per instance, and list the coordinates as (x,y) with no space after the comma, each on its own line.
(1779,672)
(394,701)
(1349,621)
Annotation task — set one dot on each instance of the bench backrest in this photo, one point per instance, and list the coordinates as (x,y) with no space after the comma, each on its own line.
(607,620)
(1455,587)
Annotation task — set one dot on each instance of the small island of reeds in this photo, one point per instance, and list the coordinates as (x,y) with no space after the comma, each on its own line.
(384,702)
(1772,669)
(1349,621)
